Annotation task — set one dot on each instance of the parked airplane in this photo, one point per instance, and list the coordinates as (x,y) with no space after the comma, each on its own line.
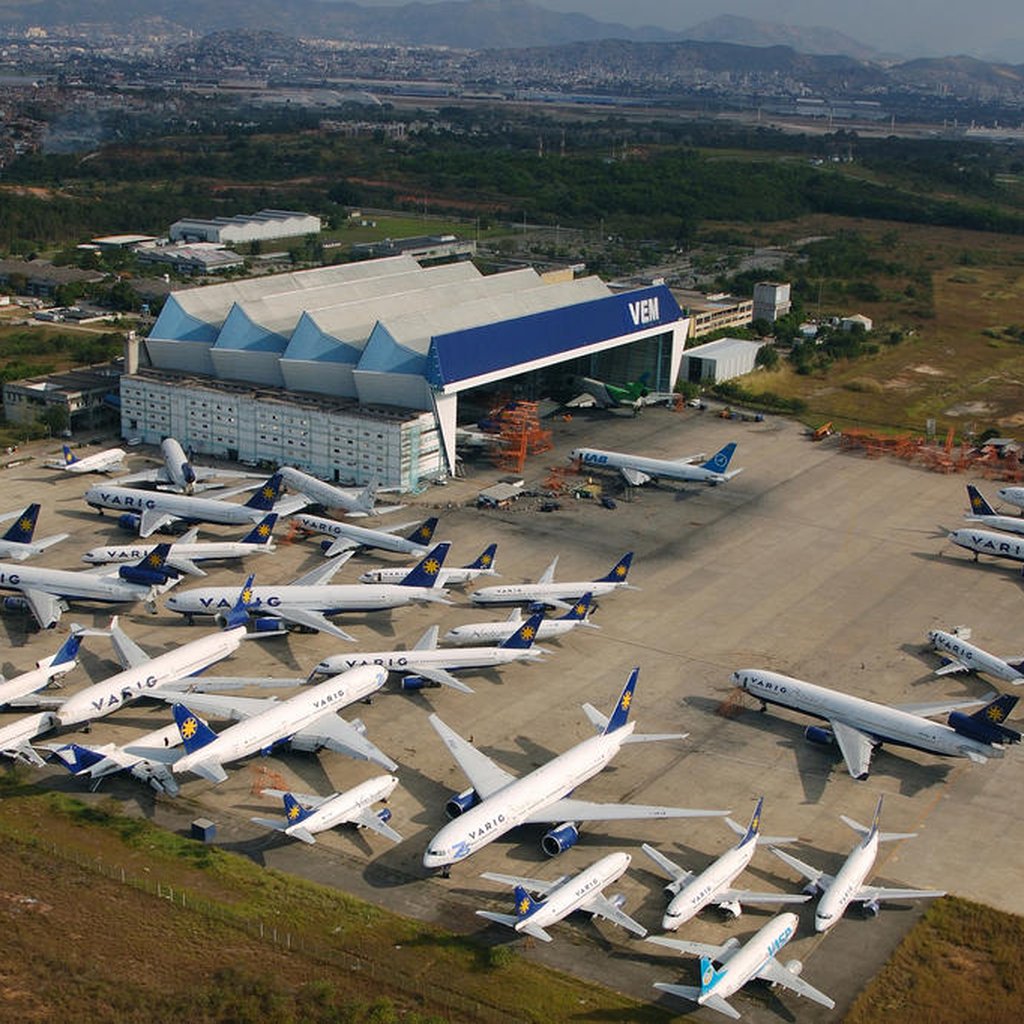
(637,469)
(494,632)
(960,656)
(483,565)
(1013,495)
(307,721)
(426,664)
(17,542)
(847,886)
(187,550)
(984,542)
(178,474)
(635,394)
(982,512)
(556,595)
(858,726)
(46,592)
(47,670)
(498,801)
(348,537)
(564,895)
(310,599)
(156,509)
(306,814)
(96,763)
(99,462)
(353,501)
(147,676)
(740,964)
(692,893)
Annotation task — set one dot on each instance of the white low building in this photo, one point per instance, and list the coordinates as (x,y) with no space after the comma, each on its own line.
(264,226)
(720,360)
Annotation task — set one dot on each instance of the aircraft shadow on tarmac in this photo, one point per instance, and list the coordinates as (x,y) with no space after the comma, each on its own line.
(816,764)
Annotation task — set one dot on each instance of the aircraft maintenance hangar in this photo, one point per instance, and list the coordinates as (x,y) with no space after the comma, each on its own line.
(357,370)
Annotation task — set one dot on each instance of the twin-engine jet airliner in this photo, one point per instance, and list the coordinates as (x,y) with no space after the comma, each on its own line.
(347,537)
(637,469)
(961,656)
(99,462)
(556,595)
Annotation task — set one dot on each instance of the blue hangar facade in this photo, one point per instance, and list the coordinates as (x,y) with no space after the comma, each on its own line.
(366,369)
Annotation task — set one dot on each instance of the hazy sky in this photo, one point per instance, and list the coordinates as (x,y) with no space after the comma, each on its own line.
(991,29)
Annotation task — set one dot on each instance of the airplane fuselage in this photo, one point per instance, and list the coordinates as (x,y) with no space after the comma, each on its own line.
(541,593)
(985,542)
(1008,524)
(846,884)
(34,679)
(495,632)
(698,893)
(98,462)
(362,536)
(281,721)
(180,506)
(347,499)
(667,469)
(141,681)
(884,724)
(1014,495)
(446,577)
(71,584)
(412,660)
(513,804)
(972,657)
(576,891)
(197,552)
(749,958)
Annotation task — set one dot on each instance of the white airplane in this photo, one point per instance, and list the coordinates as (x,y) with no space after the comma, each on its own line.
(99,462)
(178,474)
(497,801)
(483,565)
(637,470)
(556,595)
(564,895)
(47,670)
(306,814)
(858,726)
(96,763)
(494,632)
(17,542)
(308,601)
(187,551)
(847,886)
(157,509)
(740,964)
(982,512)
(307,721)
(353,501)
(1013,495)
(46,592)
(16,737)
(348,537)
(692,893)
(960,656)
(426,664)
(985,542)
(146,676)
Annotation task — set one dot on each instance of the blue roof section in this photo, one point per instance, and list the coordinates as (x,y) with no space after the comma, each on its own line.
(308,341)
(461,355)
(174,324)
(239,331)
(384,355)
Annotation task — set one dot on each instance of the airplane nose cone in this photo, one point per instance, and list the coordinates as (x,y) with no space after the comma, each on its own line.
(670,922)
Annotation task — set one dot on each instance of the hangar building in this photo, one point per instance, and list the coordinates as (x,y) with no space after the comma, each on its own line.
(360,370)
(264,226)
(720,360)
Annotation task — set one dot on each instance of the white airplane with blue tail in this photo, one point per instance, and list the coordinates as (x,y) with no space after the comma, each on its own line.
(17,542)
(638,470)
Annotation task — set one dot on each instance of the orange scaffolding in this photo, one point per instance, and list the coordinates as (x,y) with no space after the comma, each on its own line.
(520,434)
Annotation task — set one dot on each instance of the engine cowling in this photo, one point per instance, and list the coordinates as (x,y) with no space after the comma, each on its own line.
(130,522)
(795,967)
(732,908)
(560,839)
(818,734)
(461,802)
(325,545)
(15,604)
(146,577)
(418,683)
(871,908)
(268,624)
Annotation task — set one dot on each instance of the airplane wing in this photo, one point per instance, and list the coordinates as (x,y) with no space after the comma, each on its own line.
(756,899)
(334,733)
(856,747)
(943,707)
(717,953)
(633,477)
(306,799)
(46,608)
(184,564)
(445,678)
(322,574)
(868,893)
(219,705)
(538,885)
(309,618)
(600,906)
(583,810)
(483,774)
(679,875)
(152,520)
(369,819)
(950,667)
(820,878)
(778,974)
(340,545)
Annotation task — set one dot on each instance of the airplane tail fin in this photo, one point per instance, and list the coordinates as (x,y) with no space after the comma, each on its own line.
(709,976)
(486,558)
(293,810)
(525,903)
(579,611)
(24,526)
(424,533)
(719,462)
(620,715)
(152,569)
(524,636)
(266,494)
(69,456)
(426,572)
(754,828)
(368,496)
(195,733)
(239,614)
(986,725)
(263,531)
(76,758)
(619,571)
(68,650)
(875,821)
(979,506)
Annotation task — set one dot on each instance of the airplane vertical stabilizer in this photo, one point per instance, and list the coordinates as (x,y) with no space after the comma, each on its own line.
(620,715)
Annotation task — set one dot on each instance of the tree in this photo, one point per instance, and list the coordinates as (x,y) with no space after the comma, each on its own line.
(767,357)
(55,418)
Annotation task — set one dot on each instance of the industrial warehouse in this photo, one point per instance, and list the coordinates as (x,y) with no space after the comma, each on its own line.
(356,371)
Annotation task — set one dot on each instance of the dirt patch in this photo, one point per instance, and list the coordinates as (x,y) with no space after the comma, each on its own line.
(970,409)
(931,371)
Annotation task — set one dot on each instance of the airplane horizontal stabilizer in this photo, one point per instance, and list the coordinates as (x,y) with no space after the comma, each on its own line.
(302,833)
(211,770)
(692,994)
(277,824)
(506,919)
(680,876)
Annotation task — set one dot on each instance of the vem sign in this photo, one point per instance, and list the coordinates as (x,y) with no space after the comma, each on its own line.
(644,311)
